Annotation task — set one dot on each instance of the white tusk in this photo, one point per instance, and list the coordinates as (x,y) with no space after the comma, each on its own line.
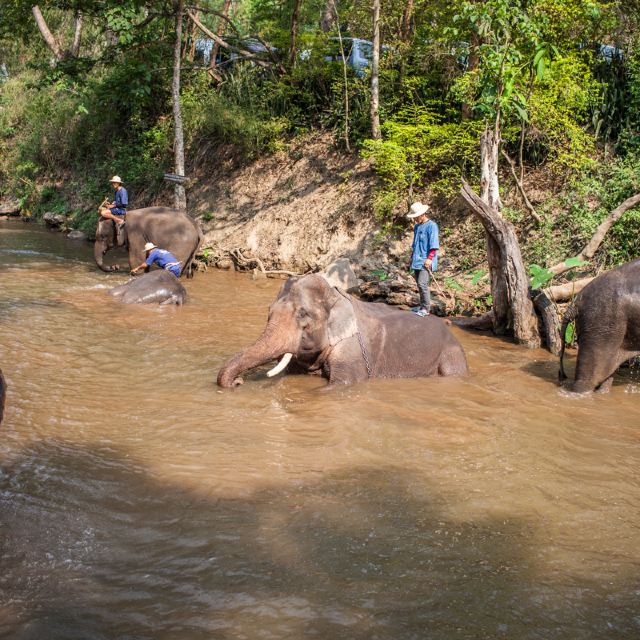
(281,366)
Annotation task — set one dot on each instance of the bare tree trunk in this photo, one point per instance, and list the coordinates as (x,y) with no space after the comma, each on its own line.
(51,42)
(490,195)
(328,16)
(405,22)
(178,144)
(513,281)
(346,84)
(294,32)
(375,70)
(192,44)
(222,22)
(77,35)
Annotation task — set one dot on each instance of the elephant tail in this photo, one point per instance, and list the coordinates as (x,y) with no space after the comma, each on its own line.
(569,317)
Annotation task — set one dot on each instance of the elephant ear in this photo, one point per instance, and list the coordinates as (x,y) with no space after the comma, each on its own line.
(342,323)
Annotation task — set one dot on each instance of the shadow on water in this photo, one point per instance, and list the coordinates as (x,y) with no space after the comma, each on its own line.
(354,554)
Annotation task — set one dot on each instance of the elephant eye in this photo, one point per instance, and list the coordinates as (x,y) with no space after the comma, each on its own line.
(302,314)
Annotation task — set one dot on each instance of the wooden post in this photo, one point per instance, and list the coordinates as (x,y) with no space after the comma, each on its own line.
(180,197)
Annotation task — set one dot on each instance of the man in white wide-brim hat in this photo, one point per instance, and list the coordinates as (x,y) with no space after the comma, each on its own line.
(160,257)
(424,253)
(117,210)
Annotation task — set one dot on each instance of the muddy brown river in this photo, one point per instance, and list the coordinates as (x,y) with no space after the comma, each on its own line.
(137,500)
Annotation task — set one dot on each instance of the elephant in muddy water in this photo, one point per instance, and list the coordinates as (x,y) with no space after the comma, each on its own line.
(3,393)
(317,328)
(167,228)
(607,317)
(159,286)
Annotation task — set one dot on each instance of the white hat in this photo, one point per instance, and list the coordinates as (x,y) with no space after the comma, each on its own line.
(149,246)
(116,179)
(417,209)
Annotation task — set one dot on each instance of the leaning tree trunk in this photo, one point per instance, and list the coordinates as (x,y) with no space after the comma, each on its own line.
(375,69)
(490,195)
(508,269)
(180,197)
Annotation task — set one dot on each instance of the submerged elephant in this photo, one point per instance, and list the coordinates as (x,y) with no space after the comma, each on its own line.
(3,393)
(317,328)
(167,228)
(159,286)
(607,315)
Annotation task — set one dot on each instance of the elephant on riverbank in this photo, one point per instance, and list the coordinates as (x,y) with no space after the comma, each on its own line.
(167,228)
(158,286)
(607,326)
(3,393)
(317,328)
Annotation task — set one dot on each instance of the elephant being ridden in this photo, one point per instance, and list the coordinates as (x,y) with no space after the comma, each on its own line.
(159,286)
(607,317)
(167,228)
(315,327)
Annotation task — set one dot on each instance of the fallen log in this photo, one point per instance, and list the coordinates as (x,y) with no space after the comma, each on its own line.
(566,291)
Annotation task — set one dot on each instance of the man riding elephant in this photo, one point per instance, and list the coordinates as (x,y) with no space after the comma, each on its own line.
(117,210)
(170,229)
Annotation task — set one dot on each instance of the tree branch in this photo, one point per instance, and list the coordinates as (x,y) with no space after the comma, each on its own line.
(527,202)
(225,45)
(596,240)
(51,42)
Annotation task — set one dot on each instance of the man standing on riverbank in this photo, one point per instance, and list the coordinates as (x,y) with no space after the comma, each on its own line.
(424,253)
(163,258)
(117,210)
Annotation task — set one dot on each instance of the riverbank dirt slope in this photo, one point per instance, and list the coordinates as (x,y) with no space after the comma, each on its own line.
(297,210)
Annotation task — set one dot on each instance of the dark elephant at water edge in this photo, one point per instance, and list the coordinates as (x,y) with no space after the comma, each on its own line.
(607,326)
(158,286)
(3,393)
(167,228)
(317,328)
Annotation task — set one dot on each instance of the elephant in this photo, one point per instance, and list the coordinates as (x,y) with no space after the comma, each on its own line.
(3,393)
(158,286)
(167,228)
(607,316)
(317,328)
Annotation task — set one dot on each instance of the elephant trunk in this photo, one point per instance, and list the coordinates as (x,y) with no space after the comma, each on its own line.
(269,346)
(98,252)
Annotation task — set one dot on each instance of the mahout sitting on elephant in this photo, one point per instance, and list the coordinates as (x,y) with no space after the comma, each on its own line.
(607,326)
(169,228)
(3,393)
(317,328)
(158,286)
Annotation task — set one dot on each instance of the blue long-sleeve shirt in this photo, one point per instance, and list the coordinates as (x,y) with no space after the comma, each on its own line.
(121,200)
(425,239)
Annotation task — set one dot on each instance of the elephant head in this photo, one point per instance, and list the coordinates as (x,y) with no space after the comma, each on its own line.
(306,320)
(106,239)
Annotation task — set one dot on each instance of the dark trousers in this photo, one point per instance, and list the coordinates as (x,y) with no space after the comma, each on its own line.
(422,280)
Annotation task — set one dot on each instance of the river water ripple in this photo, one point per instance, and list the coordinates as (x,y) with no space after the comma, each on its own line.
(137,500)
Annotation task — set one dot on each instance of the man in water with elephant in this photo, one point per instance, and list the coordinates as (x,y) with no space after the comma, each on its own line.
(161,257)
(424,253)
